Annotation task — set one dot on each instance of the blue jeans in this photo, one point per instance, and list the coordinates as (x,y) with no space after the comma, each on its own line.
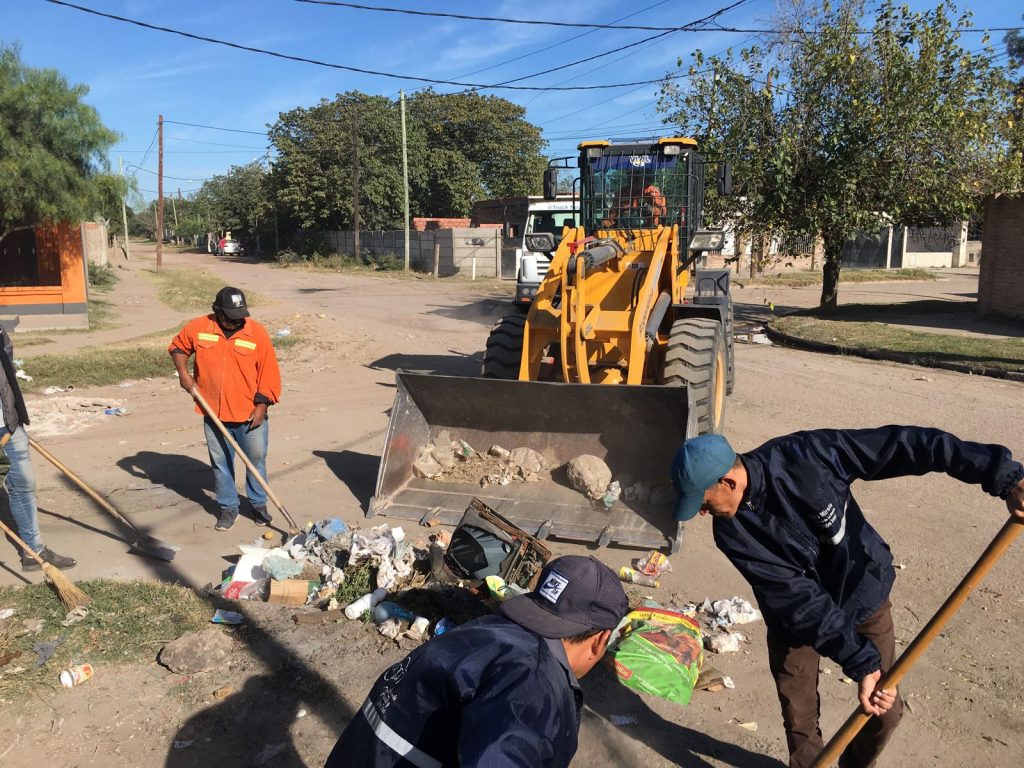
(21,489)
(222,459)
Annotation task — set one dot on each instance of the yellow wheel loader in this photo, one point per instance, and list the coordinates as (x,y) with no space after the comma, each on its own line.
(615,359)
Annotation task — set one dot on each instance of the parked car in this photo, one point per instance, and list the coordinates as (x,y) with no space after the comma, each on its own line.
(230,248)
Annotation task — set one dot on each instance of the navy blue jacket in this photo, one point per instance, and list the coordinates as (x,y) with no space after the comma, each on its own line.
(817,567)
(487,694)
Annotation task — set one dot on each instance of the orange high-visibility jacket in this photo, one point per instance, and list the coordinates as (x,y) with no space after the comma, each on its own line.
(230,372)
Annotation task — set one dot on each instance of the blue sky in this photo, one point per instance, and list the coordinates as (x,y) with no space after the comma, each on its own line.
(134,74)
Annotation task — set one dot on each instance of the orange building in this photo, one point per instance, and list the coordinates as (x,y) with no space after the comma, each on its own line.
(43,277)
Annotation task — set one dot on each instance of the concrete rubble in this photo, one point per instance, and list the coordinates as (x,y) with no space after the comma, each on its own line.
(197,651)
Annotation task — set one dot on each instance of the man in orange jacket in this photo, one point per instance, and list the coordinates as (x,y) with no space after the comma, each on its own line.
(236,372)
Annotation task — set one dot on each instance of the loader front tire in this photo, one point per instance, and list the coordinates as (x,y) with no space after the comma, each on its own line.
(504,350)
(696,357)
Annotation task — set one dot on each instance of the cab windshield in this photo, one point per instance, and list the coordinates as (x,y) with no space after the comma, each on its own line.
(550,221)
(636,190)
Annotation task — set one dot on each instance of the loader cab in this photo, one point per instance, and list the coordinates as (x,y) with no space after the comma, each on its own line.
(641,184)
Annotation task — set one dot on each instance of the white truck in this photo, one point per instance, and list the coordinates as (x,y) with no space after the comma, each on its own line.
(518,217)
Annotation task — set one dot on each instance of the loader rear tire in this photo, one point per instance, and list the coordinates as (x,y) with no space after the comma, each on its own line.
(504,350)
(696,357)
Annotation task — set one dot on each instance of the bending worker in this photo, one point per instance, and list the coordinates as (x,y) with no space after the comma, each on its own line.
(236,373)
(784,515)
(498,692)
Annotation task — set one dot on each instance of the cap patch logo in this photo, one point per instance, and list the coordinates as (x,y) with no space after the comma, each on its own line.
(236,299)
(553,587)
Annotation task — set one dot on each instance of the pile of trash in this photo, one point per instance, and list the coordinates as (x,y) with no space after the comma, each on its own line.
(717,619)
(53,416)
(453,460)
(349,572)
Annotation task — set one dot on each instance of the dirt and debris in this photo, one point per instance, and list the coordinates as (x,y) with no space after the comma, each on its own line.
(197,651)
(53,416)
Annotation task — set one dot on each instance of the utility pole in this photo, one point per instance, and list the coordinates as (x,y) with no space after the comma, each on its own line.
(405,180)
(160,194)
(124,212)
(355,180)
(174,208)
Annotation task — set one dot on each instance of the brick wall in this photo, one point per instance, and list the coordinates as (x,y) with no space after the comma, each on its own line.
(1001,281)
(429,223)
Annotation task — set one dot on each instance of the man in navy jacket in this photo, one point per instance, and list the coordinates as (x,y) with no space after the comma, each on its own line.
(498,692)
(785,517)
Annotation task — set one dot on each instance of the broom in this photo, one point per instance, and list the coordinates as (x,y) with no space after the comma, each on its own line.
(70,595)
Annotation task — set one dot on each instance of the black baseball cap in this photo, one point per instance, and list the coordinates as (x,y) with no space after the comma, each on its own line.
(574,595)
(231,301)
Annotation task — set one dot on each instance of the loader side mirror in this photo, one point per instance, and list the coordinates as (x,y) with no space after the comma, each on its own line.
(724,179)
(550,183)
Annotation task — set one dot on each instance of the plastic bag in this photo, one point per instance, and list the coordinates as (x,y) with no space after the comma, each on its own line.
(659,652)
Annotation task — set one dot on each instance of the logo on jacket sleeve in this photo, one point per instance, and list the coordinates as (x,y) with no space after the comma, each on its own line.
(553,586)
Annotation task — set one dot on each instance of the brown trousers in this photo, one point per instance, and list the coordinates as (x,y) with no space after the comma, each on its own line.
(795,670)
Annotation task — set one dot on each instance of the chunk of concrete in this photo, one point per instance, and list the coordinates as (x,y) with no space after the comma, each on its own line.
(589,475)
(527,460)
(196,651)
(426,465)
(444,455)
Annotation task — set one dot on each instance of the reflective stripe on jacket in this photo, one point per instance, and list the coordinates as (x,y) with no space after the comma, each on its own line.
(229,372)
(817,567)
(488,694)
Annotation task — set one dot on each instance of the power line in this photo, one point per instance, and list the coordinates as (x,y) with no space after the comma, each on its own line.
(199,125)
(176,178)
(212,143)
(578,25)
(500,19)
(331,65)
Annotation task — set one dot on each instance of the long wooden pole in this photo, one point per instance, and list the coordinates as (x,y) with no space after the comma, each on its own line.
(405,181)
(160,194)
(953,603)
(124,212)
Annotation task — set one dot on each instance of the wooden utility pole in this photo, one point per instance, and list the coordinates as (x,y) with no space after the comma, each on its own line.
(174,208)
(160,194)
(355,180)
(124,212)
(405,180)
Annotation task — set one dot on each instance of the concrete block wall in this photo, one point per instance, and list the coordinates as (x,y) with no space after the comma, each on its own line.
(466,251)
(1001,280)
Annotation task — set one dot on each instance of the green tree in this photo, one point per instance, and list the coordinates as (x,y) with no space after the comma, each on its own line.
(833,129)
(1015,51)
(462,147)
(238,200)
(52,147)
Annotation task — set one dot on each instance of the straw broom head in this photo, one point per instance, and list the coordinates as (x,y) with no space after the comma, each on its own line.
(70,595)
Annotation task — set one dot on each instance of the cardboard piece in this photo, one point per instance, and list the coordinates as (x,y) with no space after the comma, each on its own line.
(291,591)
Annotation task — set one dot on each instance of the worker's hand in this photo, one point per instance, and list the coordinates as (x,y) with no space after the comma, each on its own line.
(1015,501)
(187,382)
(258,415)
(875,701)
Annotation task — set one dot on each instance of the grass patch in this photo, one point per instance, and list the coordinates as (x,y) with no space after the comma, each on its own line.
(286,342)
(99,366)
(102,278)
(924,348)
(32,341)
(808,277)
(388,262)
(189,290)
(128,622)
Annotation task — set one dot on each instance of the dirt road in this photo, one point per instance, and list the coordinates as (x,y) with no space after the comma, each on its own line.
(966,696)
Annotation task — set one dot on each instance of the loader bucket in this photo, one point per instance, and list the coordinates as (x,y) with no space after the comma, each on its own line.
(634,429)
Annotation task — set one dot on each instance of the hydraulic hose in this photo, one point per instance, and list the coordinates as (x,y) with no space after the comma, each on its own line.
(657,315)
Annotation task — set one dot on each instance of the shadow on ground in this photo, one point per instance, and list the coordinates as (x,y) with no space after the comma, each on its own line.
(356,470)
(685,747)
(184,475)
(453,364)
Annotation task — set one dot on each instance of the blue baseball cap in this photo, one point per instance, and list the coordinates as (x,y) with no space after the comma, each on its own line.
(698,464)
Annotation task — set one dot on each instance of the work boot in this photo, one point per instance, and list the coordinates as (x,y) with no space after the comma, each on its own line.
(226,519)
(49,556)
(260,515)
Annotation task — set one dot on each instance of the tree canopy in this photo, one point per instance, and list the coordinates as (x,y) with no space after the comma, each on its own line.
(52,148)
(848,123)
(462,147)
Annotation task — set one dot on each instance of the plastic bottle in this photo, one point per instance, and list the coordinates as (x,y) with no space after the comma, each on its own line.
(630,575)
(443,626)
(365,603)
(388,610)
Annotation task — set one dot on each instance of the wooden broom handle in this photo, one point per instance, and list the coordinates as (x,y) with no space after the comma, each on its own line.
(245,459)
(31,552)
(995,550)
